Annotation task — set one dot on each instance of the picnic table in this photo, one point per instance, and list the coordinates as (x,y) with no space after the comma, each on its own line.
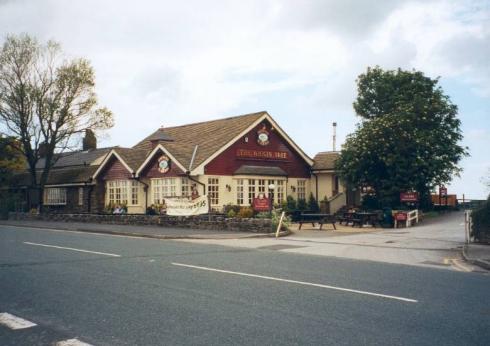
(316,218)
(359,218)
(367,218)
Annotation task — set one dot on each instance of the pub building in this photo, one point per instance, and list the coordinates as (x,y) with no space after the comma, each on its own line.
(231,160)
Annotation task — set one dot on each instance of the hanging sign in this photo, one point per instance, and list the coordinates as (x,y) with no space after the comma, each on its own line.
(409,197)
(185,207)
(443,191)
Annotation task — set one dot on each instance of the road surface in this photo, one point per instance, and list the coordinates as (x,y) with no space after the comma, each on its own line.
(109,290)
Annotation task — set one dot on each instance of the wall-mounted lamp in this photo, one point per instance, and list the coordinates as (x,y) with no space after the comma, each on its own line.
(246,139)
(228,187)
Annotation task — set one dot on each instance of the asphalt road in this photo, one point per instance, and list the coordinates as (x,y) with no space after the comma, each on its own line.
(158,292)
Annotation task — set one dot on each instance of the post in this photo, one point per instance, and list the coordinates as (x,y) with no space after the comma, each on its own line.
(280,224)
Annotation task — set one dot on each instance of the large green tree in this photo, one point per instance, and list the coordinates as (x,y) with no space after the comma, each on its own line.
(46,101)
(11,160)
(408,137)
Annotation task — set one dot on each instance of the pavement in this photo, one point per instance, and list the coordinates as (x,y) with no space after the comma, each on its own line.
(69,288)
(478,254)
(437,242)
(156,232)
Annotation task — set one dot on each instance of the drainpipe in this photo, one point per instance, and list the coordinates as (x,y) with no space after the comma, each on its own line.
(316,185)
(188,173)
(196,181)
(89,200)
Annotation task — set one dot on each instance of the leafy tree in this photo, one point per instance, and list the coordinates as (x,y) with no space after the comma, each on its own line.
(46,101)
(11,160)
(408,138)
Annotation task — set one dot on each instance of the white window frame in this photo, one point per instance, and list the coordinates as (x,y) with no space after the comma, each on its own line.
(240,191)
(123,191)
(54,196)
(301,189)
(213,191)
(170,187)
(80,196)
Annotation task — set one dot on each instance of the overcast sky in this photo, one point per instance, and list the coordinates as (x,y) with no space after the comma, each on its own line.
(174,62)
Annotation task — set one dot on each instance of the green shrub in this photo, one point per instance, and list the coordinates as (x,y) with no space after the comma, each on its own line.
(290,204)
(481,222)
(301,205)
(263,215)
(231,214)
(229,206)
(245,213)
(276,216)
(313,204)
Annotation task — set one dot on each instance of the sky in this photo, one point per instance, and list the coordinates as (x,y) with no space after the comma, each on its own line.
(165,63)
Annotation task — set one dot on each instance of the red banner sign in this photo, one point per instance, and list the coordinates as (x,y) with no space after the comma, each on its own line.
(262,154)
(261,204)
(401,217)
(409,196)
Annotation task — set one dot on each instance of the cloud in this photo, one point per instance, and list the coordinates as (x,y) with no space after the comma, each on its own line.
(168,62)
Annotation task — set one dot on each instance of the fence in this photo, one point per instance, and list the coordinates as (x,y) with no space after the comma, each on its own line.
(411,216)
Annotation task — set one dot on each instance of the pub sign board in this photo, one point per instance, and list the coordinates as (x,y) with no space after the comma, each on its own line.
(261,203)
(409,197)
(443,191)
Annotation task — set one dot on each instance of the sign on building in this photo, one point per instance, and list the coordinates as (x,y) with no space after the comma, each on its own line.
(185,207)
(409,197)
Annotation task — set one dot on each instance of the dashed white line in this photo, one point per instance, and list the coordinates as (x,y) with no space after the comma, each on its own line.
(72,342)
(297,282)
(73,249)
(14,322)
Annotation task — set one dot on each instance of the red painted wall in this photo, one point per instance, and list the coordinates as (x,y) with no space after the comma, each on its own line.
(115,170)
(151,169)
(228,162)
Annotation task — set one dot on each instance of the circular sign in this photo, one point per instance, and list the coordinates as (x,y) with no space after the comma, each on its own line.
(163,164)
(263,136)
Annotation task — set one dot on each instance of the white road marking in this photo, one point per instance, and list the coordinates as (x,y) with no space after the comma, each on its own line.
(297,282)
(456,263)
(72,249)
(72,342)
(14,322)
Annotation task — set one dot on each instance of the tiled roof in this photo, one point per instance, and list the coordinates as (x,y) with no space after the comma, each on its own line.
(67,175)
(76,158)
(210,136)
(260,170)
(133,157)
(325,160)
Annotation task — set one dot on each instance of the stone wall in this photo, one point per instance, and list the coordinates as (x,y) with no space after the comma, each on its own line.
(215,223)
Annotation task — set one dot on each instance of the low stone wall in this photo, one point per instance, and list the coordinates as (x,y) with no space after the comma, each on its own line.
(215,223)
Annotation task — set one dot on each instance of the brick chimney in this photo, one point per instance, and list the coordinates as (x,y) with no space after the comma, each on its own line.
(89,141)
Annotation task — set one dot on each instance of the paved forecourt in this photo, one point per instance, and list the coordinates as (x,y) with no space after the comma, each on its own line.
(106,290)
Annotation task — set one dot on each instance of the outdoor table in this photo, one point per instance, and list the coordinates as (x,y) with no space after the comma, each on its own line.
(346,217)
(320,218)
(365,218)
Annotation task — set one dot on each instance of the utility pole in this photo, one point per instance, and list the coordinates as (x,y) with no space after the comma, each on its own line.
(334,137)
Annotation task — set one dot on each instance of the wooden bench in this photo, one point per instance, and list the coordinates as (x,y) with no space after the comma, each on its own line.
(317,218)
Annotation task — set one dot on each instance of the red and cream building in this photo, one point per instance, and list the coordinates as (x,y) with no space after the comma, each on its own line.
(231,160)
